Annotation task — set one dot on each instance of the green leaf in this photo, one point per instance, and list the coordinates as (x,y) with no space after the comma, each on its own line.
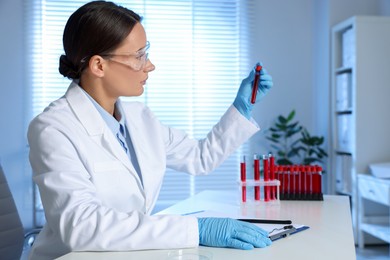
(293,125)
(292,132)
(282,120)
(295,142)
(291,115)
(322,151)
(281,127)
(292,153)
(272,139)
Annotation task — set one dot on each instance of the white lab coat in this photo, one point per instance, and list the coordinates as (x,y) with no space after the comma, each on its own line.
(92,195)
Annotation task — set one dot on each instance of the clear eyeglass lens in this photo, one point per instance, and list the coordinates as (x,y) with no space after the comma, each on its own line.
(139,62)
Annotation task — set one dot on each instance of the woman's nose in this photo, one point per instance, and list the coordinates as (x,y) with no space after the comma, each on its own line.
(149,66)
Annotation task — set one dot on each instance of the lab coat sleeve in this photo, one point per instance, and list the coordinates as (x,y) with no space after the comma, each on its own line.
(199,157)
(75,215)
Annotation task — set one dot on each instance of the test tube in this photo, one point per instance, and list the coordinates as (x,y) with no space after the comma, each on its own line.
(266,178)
(317,181)
(311,172)
(307,182)
(319,171)
(255,83)
(292,182)
(256,170)
(300,181)
(304,188)
(296,181)
(289,181)
(285,181)
(272,175)
(243,178)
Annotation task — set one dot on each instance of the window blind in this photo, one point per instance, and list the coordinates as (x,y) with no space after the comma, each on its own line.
(201,52)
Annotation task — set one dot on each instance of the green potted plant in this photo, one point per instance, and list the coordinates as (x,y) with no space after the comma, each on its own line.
(291,143)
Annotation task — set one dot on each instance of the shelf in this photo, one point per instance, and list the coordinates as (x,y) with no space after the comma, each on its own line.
(343,70)
(340,152)
(379,230)
(375,223)
(344,112)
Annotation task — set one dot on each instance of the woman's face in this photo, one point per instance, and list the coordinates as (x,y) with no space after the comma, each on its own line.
(127,69)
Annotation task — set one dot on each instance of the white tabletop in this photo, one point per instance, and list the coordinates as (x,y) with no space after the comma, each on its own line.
(329,236)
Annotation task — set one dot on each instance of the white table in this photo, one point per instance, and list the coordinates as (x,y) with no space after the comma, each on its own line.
(329,236)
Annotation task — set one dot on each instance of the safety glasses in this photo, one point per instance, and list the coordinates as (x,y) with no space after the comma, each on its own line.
(135,61)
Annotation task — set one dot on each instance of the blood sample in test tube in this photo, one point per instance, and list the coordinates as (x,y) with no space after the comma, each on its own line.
(255,83)
(317,181)
(300,181)
(305,186)
(314,180)
(307,182)
(292,181)
(286,182)
(272,175)
(256,170)
(296,181)
(243,178)
(312,170)
(266,178)
(319,171)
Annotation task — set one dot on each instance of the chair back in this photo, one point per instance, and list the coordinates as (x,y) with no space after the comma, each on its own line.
(11,228)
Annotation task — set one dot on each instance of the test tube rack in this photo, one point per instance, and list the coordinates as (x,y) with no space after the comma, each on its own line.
(262,191)
(279,182)
(259,189)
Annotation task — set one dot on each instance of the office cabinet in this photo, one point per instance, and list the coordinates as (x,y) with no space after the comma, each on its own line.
(377,225)
(360,105)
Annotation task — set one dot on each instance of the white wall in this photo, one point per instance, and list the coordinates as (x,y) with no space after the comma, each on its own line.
(284,43)
(292,40)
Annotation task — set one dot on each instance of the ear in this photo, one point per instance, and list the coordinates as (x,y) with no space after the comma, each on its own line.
(96,65)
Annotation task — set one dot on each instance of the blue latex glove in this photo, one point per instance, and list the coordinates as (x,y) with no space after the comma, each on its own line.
(243,98)
(226,232)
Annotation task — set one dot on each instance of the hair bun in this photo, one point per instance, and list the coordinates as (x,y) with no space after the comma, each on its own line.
(67,69)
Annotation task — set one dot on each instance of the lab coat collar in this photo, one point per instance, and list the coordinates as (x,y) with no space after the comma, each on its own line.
(96,127)
(85,110)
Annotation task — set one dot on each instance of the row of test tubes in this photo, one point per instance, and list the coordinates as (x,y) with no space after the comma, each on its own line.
(299,182)
(280,182)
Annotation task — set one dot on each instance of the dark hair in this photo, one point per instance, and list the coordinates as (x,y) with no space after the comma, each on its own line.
(96,27)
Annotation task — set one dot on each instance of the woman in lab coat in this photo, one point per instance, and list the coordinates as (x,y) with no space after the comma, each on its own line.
(99,163)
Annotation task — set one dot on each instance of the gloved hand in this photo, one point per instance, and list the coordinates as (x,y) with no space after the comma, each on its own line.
(243,98)
(226,232)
